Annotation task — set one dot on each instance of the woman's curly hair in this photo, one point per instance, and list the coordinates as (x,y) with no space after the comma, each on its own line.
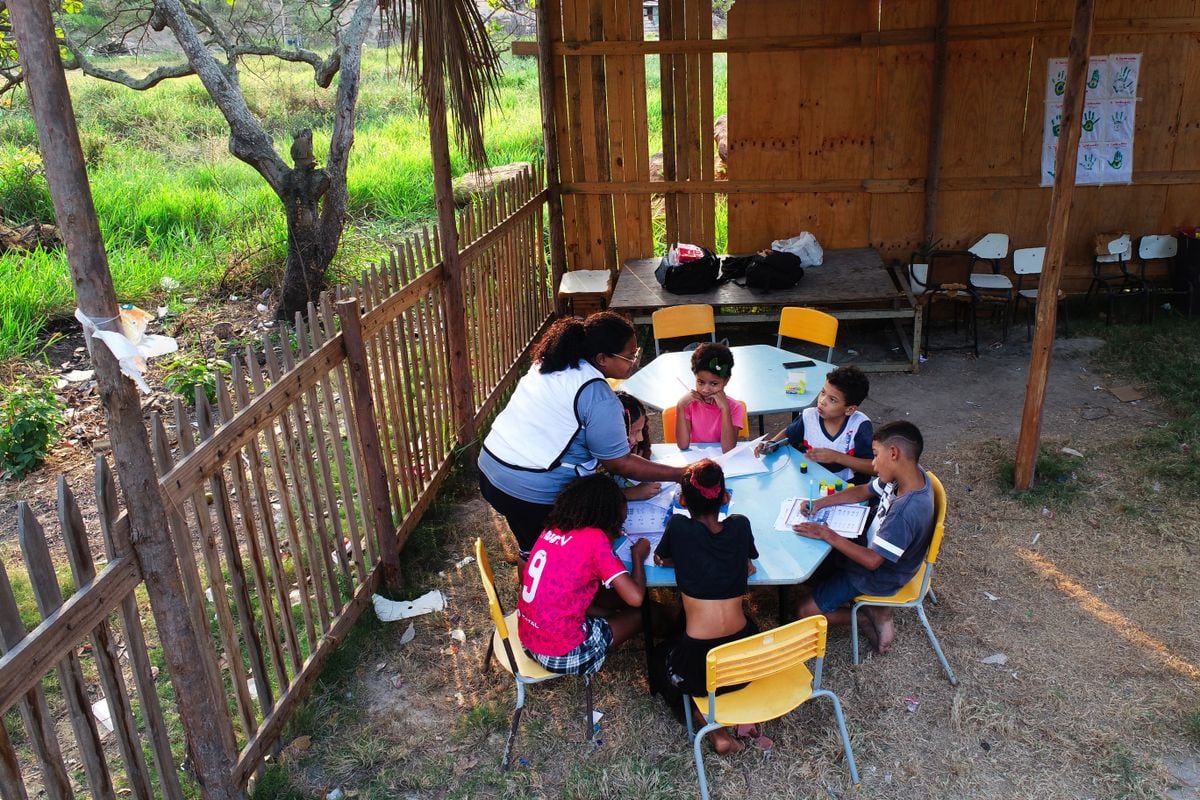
(569,340)
(593,501)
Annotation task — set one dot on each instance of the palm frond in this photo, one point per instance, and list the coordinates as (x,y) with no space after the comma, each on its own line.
(469,65)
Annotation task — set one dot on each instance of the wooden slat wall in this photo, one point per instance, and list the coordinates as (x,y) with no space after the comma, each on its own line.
(853,108)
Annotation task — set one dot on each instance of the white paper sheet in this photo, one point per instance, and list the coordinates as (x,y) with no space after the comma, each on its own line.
(741,460)
(624,550)
(846,520)
(645,517)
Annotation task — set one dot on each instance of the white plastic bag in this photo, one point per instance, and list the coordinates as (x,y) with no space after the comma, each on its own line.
(804,246)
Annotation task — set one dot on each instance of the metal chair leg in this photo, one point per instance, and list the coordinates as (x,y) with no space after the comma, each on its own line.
(587,689)
(512,731)
(937,647)
(854,633)
(699,756)
(486,666)
(841,721)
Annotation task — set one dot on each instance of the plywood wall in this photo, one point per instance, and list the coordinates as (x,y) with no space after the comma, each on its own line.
(848,123)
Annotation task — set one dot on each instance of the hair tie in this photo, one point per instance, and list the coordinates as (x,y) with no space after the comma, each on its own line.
(719,368)
(708,492)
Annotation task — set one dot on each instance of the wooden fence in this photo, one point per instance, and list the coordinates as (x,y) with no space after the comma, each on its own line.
(832,126)
(289,494)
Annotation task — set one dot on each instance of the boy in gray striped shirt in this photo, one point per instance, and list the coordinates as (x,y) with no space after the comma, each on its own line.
(895,544)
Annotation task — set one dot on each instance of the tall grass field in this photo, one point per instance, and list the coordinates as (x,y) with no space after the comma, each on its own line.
(172,201)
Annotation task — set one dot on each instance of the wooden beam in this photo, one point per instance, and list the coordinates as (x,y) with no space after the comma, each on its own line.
(937,108)
(1060,215)
(66,174)
(871,185)
(545,57)
(871,39)
(452,268)
(476,248)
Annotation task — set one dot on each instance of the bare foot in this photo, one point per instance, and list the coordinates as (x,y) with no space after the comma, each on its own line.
(867,626)
(725,744)
(881,619)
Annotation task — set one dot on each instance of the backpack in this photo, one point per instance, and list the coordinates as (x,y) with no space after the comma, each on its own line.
(775,270)
(692,277)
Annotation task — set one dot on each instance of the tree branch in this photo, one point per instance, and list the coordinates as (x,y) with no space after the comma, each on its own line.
(248,140)
(81,62)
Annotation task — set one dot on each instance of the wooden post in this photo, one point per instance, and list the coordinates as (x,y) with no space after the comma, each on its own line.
(1060,213)
(937,103)
(62,156)
(558,251)
(368,435)
(456,314)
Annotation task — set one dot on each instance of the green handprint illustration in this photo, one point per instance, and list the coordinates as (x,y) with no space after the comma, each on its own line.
(1056,125)
(1090,118)
(1089,161)
(1060,83)
(1094,79)
(1117,160)
(1123,81)
(1119,121)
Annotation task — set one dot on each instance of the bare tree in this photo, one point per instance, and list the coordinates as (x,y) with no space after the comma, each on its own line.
(215,40)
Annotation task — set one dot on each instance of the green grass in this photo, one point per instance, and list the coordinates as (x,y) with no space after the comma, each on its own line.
(172,201)
(1057,480)
(1171,374)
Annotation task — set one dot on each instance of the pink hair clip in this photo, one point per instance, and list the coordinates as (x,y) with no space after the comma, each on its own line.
(708,492)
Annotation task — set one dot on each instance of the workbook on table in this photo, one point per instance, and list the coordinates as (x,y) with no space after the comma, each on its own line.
(624,550)
(847,520)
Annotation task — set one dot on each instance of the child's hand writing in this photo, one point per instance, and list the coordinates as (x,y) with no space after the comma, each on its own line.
(814,530)
(641,549)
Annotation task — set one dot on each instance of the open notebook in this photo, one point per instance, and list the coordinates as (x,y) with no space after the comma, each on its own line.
(846,520)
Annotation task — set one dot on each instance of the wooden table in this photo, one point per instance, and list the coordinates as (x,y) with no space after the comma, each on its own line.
(850,284)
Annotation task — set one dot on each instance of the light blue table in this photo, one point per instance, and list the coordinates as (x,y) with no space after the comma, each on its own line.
(783,559)
(758,380)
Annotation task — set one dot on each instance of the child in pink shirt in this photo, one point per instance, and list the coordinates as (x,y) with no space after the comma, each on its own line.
(706,413)
(567,566)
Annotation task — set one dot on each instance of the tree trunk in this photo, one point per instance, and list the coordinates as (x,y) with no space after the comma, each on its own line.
(309,254)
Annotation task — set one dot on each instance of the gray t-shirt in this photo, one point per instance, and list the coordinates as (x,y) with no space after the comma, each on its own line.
(602,436)
(900,532)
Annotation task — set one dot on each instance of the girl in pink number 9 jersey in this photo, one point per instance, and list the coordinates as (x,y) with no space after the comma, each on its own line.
(568,564)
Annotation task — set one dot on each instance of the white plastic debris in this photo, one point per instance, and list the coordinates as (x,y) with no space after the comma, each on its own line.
(393,610)
(131,346)
(597,716)
(103,714)
(168,283)
(335,794)
(458,635)
(1072,452)
(79,375)
(999,659)
(991,596)
(463,562)
(261,308)
(409,634)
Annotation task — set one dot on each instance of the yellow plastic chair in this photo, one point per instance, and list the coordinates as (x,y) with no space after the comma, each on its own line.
(808,325)
(512,656)
(668,419)
(913,593)
(773,665)
(687,320)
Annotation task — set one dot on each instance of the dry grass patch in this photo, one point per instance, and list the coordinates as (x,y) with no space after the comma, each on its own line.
(1094,609)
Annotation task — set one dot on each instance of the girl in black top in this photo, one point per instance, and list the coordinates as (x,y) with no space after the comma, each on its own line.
(712,561)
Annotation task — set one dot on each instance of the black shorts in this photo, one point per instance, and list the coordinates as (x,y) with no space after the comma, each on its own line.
(526,520)
(687,666)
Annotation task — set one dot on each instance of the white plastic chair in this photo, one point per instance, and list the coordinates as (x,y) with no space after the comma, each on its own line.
(1164,248)
(1117,281)
(992,287)
(1028,261)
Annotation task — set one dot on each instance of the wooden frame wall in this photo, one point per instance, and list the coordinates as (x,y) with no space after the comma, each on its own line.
(829,125)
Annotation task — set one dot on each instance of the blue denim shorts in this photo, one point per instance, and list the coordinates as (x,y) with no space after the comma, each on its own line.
(834,593)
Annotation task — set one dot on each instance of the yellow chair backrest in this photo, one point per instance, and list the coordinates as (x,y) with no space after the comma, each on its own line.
(939,517)
(809,325)
(489,586)
(668,416)
(686,320)
(767,653)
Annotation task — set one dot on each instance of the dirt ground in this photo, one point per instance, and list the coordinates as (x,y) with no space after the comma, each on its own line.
(1092,607)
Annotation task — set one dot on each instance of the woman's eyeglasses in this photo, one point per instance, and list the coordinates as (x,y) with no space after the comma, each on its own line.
(637,356)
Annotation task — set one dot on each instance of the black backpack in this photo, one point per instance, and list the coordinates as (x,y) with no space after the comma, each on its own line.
(773,271)
(693,277)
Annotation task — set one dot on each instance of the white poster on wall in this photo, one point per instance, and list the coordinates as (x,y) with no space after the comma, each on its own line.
(1108,122)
